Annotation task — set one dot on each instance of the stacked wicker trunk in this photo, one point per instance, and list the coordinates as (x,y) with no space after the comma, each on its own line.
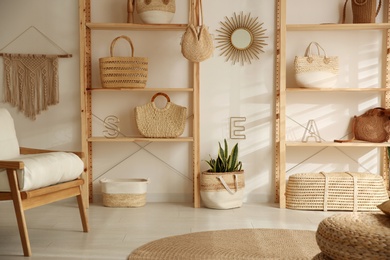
(335,191)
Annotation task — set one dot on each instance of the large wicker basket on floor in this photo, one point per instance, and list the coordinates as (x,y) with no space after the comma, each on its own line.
(335,191)
(123,72)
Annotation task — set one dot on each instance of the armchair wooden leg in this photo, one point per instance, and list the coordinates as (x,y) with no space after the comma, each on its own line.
(83,212)
(19,211)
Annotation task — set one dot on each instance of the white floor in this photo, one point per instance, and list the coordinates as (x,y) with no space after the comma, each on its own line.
(56,233)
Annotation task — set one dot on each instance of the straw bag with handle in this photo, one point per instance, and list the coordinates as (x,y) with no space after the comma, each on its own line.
(164,122)
(372,126)
(197,43)
(123,72)
(364,11)
(316,71)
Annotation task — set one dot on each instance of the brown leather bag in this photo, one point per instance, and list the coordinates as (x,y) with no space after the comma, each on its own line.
(372,126)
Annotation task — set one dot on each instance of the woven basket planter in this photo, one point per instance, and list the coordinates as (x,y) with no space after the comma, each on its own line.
(123,72)
(335,191)
(222,190)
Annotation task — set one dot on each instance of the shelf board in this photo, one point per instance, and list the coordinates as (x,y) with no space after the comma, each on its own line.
(133,26)
(142,89)
(334,144)
(335,27)
(337,89)
(140,139)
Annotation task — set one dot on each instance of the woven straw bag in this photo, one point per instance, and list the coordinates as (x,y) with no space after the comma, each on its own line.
(372,126)
(123,72)
(156,11)
(157,122)
(197,43)
(224,190)
(364,11)
(316,71)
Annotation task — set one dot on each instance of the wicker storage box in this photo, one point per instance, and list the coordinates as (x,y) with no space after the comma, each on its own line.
(335,191)
(128,193)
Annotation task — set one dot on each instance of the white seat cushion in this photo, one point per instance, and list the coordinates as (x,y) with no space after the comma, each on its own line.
(41,170)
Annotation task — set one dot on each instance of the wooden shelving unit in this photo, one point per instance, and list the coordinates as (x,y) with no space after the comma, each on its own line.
(282,90)
(86,90)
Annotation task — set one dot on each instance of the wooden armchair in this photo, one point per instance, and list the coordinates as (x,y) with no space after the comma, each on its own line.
(35,177)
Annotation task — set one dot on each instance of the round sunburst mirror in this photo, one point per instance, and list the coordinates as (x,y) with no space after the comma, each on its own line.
(241,38)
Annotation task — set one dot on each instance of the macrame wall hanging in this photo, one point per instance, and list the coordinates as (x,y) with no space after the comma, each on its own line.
(31,80)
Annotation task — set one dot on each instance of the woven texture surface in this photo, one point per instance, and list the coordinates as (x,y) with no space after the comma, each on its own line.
(155,5)
(161,122)
(123,72)
(335,191)
(124,200)
(316,63)
(210,182)
(372,126)
(355,236)
(364,11)
(232,244)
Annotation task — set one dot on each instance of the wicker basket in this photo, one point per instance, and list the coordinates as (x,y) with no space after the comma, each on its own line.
(123,72)
(156,11)
(335,191)
(130,193)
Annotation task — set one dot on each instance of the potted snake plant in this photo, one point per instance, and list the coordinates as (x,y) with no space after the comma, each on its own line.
(222,185)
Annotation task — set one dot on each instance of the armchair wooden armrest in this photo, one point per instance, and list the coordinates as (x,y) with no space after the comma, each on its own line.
(15,165)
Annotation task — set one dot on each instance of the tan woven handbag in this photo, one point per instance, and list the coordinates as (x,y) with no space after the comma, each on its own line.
(164,122)
(364,11)
(197,43)
(123,72)
(316,71)
(372,126)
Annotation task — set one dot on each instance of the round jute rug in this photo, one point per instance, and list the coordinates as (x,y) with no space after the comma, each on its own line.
(232,244)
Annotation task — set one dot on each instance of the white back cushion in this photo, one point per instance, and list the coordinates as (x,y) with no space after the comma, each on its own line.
(9,146)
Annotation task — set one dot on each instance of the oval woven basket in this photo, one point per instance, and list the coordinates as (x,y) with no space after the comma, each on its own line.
(123,72)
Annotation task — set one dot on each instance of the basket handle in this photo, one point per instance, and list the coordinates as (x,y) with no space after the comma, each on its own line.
(122,37)
(161,94)
(319,48)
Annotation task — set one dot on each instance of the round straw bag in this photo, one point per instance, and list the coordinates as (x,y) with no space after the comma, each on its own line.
(156,11)
(123,72)
(160,122)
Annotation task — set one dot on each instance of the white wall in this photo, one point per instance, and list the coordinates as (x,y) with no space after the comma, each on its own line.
(226,90)
(59,126)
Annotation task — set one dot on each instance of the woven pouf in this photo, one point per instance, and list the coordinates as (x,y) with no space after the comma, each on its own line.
(355,236)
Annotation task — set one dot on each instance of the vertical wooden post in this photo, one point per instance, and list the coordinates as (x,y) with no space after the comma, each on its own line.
(196,124)
(85,72)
